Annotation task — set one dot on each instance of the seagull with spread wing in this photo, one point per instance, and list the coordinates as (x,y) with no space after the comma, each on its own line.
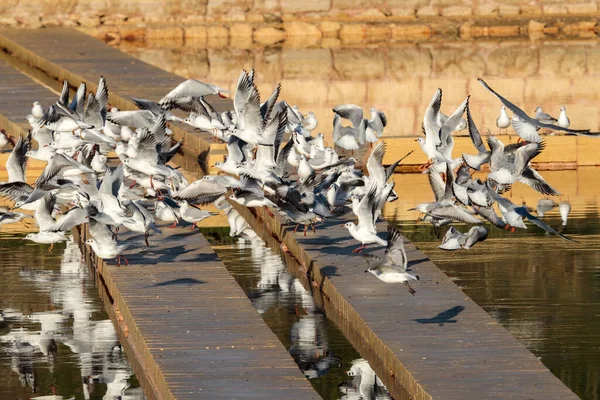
(394,268)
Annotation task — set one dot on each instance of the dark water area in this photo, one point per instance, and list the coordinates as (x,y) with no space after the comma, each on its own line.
(55,336)
(544,290)
(327,359)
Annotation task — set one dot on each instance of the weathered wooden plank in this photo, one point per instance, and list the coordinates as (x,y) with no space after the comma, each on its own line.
(69,54)
(436,344)
(194,332)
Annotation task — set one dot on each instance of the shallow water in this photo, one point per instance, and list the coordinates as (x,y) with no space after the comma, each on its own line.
(54,333)
(323,354)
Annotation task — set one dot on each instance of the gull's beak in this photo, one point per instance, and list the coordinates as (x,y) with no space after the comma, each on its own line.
(221,95)
(416,140)
(366,270)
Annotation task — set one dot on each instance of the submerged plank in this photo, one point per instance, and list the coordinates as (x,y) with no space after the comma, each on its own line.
(194,332)
(436,344)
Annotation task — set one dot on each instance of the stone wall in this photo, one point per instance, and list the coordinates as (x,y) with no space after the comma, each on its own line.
(401,78)
(277,19)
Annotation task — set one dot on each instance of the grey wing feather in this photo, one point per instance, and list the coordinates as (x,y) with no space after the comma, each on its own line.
(522,211)
(532,178)
(351,112)
(395,253)
(102,93)
(521,114)
(64,94)
(474,132)
(16,165)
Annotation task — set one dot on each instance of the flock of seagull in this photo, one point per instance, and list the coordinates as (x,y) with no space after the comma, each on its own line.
(303,180)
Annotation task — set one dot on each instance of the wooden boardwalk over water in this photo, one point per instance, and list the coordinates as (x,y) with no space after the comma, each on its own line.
(436,344)
(194,332)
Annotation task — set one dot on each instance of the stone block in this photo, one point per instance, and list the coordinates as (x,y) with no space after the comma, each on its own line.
(268,35)
(371,14)
(377,33)
(406,62)
(454,91)
(344,92)
(297,28)
(539,90)
(505,10)
(403,31)
(228,7)
(428,11)
(554,9)
(457,11)
(190,64)
(531,9)
(331,43)
(391,92)
(267,6)
(582,8)
(226,65)
(359,63)
(513,61)
(355,4)
(593,60)
(414,4)
(562,61)
(268,64)
(241,42)
(174,33)
(307,63)
(295,91)
(403,11)
(511,88)
(352,33)
(196,34)
(304,6)
(329,28)
(240,30)
(486,8)
(457,62)
(402,121)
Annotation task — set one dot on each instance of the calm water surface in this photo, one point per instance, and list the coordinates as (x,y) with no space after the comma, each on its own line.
(54,333)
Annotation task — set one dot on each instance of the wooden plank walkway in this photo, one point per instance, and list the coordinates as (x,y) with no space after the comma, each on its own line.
(436,344)
(63,53)
(18,92)
(196,331)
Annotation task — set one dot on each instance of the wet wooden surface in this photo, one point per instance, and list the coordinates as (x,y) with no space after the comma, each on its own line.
(63,53)
(436,344)
(197,334)
(18,92)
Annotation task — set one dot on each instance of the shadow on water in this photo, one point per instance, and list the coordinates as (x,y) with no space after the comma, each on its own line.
(445,317)
(54,333)
(322,352)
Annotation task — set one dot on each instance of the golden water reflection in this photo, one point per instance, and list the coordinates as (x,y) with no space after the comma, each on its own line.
(400,78)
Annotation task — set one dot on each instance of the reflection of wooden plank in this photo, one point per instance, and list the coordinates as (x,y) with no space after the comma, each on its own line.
(193,329)
(437,344)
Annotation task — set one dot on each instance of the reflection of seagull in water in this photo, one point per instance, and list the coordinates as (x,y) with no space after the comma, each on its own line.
(365,384)
(445,317)
(564,208)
